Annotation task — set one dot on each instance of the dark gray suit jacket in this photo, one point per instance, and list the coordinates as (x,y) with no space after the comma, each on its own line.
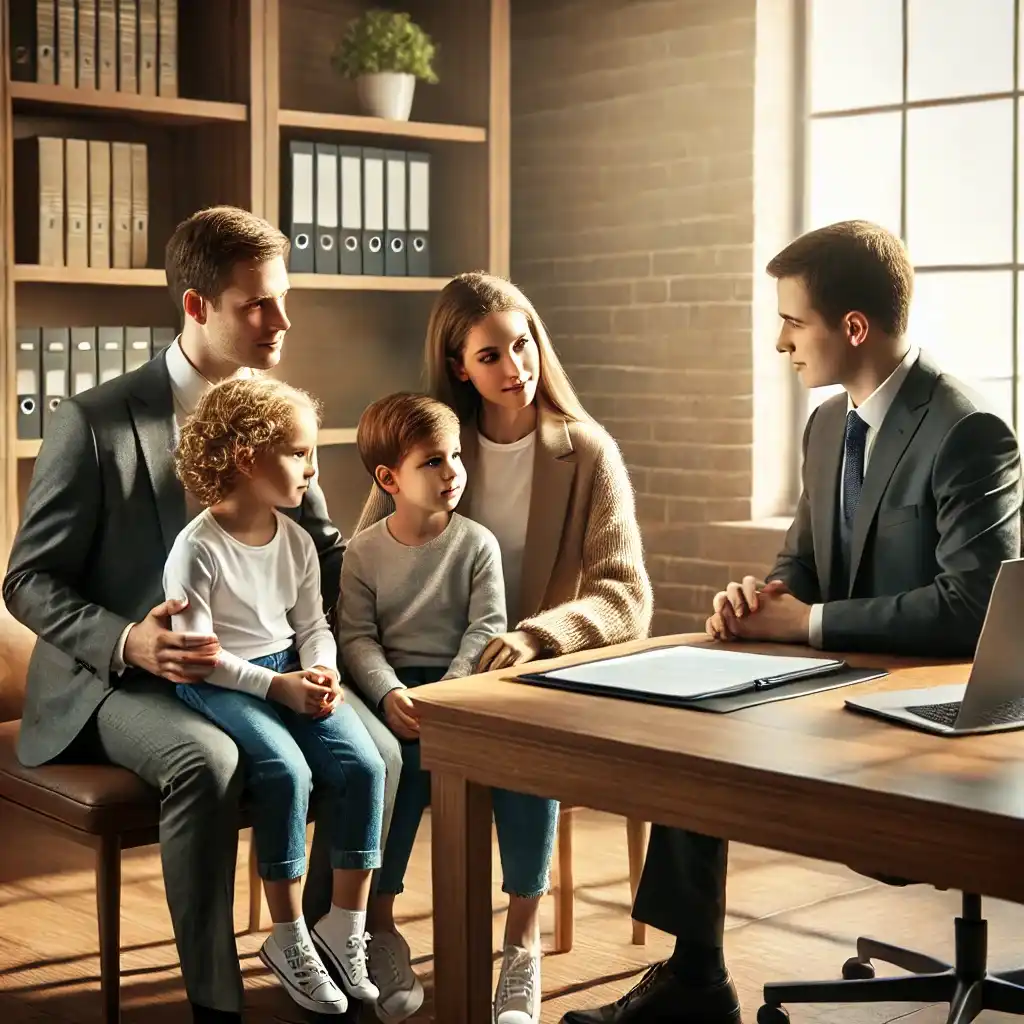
(940,510)
(101,515)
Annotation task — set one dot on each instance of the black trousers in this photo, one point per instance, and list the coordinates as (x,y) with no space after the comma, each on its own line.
(682,889)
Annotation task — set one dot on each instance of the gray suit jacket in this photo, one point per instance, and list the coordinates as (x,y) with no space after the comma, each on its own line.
(940,509)
(102,512)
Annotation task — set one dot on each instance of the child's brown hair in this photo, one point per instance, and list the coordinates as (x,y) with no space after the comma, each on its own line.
(392,426)
(233,423)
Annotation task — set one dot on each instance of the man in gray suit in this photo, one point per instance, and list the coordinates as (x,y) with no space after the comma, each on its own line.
(911,500)
(85,576)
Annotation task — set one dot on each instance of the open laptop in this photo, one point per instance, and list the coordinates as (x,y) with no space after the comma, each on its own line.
(992,699)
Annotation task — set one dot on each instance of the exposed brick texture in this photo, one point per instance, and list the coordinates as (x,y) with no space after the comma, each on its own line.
(632,231)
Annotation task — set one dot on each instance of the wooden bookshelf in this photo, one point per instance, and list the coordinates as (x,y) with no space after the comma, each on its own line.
(258,75)
(327,438)
(336,435)
(141,278)
(35,97)
(312,121)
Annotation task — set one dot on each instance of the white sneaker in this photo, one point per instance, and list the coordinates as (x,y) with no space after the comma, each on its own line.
(517,998)
(303,976)
(401,993)
(350,963)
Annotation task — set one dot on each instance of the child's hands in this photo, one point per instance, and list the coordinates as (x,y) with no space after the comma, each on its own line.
(301,692)
(327,677)
(400,714)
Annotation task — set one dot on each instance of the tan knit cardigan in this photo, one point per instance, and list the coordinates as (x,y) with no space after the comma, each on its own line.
(584,583)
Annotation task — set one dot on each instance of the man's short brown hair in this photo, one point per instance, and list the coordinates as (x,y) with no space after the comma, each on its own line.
(204,249)
(852,265)
(393,426)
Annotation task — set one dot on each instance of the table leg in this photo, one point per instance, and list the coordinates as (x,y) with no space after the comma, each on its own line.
(461,861)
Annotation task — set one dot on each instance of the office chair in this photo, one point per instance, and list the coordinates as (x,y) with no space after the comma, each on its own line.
(966,985)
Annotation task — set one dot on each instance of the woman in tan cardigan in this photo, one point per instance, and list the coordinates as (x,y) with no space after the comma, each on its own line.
(551,486)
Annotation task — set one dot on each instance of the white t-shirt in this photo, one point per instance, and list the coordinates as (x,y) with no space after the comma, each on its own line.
(257,600)
(501,501)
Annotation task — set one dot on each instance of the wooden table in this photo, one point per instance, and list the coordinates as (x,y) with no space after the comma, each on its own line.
(803,775)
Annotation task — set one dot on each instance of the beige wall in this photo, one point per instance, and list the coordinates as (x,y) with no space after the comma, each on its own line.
(633,231)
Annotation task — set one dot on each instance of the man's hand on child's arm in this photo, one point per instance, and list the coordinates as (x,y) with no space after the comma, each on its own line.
(176,656)
(508,649)
(300,692)
(401,715)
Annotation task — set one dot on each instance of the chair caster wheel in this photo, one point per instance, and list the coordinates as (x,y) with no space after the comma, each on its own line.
(856,969)
(772,1015)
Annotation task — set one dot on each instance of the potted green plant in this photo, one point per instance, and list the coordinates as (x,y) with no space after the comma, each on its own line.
(385,52)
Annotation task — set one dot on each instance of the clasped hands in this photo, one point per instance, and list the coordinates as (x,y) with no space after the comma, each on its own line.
(190,657)
(754,611)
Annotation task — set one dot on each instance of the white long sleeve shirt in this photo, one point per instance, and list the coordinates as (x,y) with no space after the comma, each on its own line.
(257,600)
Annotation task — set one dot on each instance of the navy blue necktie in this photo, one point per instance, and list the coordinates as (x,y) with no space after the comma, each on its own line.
(853,462)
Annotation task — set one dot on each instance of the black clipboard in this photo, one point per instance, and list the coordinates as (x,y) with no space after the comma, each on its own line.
(826,675)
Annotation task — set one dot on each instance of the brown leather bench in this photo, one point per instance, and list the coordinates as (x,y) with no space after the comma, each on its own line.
(106,808)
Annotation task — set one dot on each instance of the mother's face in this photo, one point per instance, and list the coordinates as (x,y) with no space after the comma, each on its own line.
(501,360)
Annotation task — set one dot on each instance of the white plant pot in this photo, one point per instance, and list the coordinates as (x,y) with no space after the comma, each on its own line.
(387,94)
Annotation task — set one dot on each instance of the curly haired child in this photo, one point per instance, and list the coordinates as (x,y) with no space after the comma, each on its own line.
(250,576)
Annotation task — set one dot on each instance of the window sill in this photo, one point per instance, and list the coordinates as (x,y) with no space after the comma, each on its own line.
(749,545)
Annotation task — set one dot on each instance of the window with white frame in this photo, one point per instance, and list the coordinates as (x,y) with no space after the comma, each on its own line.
(913,121)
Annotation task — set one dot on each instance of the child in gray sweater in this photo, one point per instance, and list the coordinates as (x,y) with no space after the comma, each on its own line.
(422,594)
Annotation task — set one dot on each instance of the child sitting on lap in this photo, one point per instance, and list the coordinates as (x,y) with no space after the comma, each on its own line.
(251,576)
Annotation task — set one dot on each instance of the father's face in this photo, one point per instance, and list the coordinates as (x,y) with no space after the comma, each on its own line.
(818,353)
(248,324)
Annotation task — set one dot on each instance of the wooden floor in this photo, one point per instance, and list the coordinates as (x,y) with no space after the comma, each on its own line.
(788,918)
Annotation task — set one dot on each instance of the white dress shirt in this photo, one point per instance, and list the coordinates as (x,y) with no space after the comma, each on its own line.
(188,385)
(872,411)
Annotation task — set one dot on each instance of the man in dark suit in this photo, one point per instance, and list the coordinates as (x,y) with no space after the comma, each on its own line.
(85,576)
(911,500)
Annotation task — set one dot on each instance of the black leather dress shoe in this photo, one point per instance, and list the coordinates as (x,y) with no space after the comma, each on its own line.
(661,998)
(204,1015)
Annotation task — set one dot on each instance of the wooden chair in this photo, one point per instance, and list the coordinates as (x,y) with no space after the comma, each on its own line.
(565,914)
(106,808)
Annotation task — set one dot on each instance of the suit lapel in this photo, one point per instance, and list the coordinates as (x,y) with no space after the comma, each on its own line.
(825,459)
(897,431)
(152,411)
(553,476)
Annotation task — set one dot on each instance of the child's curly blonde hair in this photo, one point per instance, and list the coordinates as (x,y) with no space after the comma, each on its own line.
(233,423)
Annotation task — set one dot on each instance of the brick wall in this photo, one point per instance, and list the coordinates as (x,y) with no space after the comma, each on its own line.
(632,231)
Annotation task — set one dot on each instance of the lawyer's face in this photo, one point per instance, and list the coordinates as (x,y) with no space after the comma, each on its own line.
(819,353)
(501,360)
(247,324)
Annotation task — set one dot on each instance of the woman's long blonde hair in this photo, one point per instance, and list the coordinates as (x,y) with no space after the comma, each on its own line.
(462,304)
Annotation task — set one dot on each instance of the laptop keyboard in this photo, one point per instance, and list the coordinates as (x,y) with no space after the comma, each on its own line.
(1008,712)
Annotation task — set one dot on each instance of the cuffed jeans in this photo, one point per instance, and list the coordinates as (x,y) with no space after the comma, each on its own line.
(526,824)
(283,755)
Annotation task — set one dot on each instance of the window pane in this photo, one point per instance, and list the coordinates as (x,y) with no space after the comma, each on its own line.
(854,170)
(960,183)
(855,54)
(959,48)
(965,321)
(815,396)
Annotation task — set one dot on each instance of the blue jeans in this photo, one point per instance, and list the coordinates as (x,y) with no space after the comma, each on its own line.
(526,824)
(284,754)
